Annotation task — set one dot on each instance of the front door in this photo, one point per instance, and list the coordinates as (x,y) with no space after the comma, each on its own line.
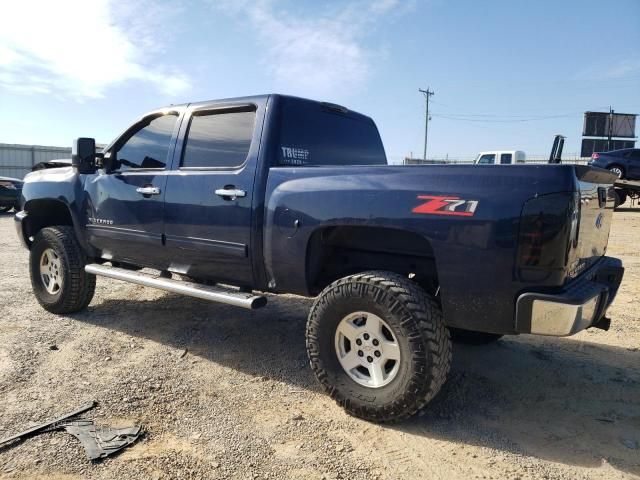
(125,204)
(208,204)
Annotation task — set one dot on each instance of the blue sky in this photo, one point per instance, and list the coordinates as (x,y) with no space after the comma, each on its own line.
(506,74)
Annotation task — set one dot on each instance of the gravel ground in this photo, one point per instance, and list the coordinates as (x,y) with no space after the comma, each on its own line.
(227,393)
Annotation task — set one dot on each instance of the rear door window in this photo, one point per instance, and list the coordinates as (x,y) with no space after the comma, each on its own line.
(218,139)
(505,158)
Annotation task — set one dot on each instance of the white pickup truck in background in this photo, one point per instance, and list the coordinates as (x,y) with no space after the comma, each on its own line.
(502,157)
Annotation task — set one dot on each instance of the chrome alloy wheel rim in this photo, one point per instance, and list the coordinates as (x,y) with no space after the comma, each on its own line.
(367,349)
(51,271)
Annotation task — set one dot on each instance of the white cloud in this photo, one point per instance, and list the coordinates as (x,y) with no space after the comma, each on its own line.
(624,68)
(383,6)
(80,48)
(613,69)
(313,54)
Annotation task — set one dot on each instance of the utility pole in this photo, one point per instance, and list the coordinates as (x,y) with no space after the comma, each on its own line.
(427,93)
(609,133)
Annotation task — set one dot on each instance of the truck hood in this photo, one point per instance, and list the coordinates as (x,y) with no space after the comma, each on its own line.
(50,175)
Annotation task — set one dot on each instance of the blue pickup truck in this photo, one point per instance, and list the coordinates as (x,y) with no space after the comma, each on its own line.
(227,200)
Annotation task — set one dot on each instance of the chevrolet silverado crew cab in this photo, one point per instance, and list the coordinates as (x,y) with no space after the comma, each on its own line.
(228,200)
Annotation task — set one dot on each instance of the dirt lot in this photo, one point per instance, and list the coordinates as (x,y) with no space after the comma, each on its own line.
(242,402)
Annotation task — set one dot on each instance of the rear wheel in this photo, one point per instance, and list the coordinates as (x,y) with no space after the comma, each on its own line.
(57,262)
(618,170)
(469,337)
(378,345)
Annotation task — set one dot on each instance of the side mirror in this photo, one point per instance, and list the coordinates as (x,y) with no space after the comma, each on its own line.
(83,155)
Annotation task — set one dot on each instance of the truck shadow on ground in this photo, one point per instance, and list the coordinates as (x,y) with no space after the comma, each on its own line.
(561,400)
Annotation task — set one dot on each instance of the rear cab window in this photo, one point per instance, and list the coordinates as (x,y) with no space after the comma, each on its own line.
(316,134)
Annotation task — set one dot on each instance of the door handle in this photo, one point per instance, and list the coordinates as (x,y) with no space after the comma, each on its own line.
(231,193)
(148,190)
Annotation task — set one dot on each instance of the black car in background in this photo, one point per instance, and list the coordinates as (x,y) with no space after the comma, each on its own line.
(625,162)
(10,189)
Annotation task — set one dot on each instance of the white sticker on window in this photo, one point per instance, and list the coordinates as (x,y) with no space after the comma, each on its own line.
(294,155)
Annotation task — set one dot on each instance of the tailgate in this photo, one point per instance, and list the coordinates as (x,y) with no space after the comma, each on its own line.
(596,201)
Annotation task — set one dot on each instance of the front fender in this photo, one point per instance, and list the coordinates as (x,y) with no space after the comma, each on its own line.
(52,197)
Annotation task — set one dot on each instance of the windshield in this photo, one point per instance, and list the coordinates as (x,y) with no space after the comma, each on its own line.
(487,159)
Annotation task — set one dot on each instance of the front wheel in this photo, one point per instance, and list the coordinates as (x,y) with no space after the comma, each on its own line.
(378,345)
(57,262)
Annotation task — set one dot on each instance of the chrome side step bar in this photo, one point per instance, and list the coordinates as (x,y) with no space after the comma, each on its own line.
(206,292)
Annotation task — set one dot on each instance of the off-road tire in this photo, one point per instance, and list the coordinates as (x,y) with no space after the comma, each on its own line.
(416,320)
(469,337)
(77,287)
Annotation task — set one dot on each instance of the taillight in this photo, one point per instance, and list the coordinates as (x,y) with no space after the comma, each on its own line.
(548,225)
(530,244)
(595,156)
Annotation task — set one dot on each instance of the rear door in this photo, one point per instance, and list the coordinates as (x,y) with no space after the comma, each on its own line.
(208,204)
(125,206)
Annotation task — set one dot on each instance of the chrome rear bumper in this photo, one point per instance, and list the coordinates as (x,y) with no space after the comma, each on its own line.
(581,305)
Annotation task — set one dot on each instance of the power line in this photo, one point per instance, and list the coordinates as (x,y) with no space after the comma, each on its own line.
(497,120)
(506,116)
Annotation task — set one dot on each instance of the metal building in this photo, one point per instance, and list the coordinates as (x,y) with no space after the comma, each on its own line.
(17,160)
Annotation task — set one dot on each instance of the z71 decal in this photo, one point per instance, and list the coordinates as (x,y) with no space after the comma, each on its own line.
(440,205)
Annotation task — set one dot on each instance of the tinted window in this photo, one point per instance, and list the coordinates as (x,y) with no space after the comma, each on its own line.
(149,146)
(219,139)
(313,134)
(505,158)
(487,159)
